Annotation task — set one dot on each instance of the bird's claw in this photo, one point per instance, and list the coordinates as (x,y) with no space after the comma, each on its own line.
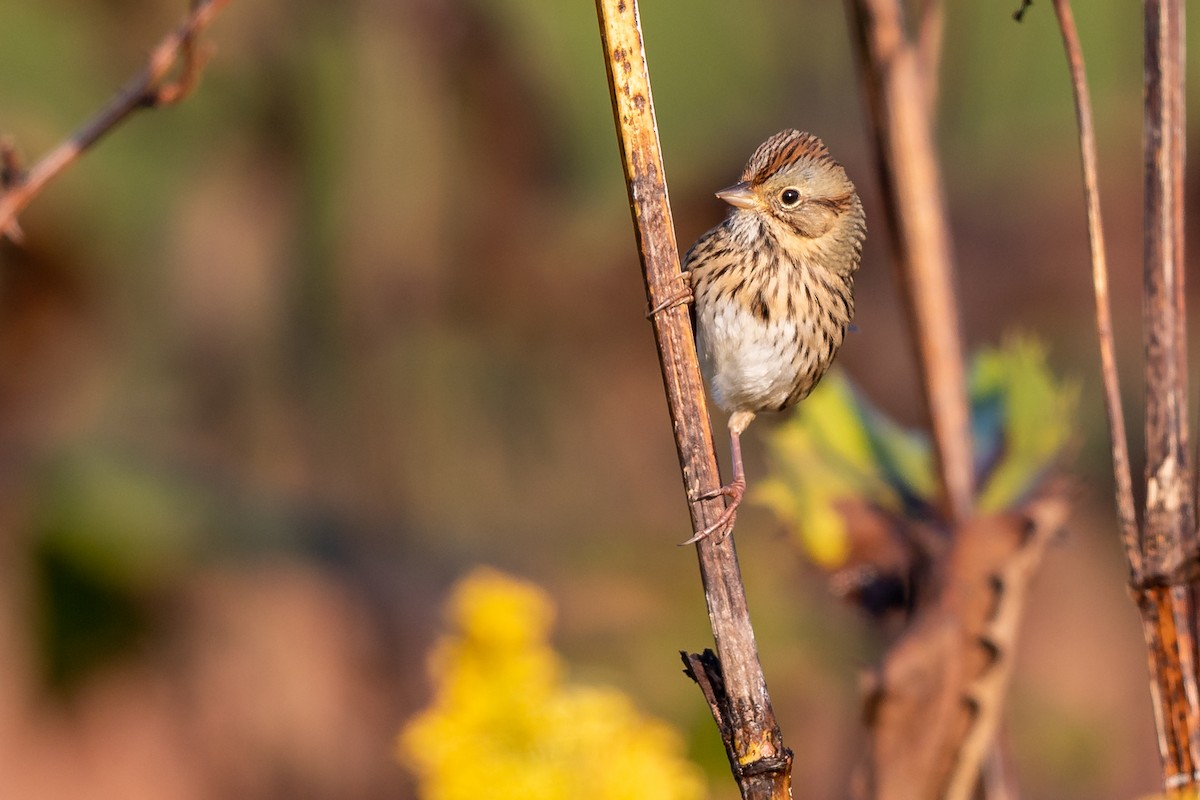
(734,491)
(680,295)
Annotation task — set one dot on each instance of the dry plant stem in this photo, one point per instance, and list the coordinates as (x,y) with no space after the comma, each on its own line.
(1167,587)
(1168,626)
(150,88)
(1122,474)
(998,779)
(899,75)
(1162,560)
(892,72)
(1170,524)
(939,694)
(761,764)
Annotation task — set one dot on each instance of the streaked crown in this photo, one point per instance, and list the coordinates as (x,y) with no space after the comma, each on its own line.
(784,150)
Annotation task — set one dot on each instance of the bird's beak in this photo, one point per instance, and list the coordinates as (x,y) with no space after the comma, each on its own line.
(739,195)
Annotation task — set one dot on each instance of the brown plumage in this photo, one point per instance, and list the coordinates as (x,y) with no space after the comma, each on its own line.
(773,285)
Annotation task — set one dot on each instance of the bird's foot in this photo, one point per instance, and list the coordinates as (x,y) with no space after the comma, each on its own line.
(680,295)
(734,492)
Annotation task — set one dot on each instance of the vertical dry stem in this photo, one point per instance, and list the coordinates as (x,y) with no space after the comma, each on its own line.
(1166,591)
(1170,509)
(1168,626)
(742,708)
(1162,556)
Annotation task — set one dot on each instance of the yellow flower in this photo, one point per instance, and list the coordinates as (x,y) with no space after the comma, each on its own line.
(503,723)
(492,609)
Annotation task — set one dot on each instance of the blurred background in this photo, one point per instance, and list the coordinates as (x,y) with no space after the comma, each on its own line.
(279,364)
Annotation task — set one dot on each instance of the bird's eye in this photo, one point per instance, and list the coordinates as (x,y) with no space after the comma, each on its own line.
(789,197)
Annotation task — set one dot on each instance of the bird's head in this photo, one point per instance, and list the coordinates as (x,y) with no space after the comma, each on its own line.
(792,184)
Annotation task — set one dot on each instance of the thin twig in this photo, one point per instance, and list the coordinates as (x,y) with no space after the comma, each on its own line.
(150,88)
(1122,475)
(761,764)
(893,77)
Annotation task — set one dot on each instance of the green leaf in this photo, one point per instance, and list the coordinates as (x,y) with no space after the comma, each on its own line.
(837,447)
(1037,410)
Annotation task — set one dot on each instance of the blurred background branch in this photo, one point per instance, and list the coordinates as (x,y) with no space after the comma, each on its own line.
(899,82)
(937,705)
(150,88)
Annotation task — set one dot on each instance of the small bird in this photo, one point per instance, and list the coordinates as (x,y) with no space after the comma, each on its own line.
(772,287)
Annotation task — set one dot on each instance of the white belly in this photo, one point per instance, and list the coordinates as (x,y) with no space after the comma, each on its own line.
(750,364)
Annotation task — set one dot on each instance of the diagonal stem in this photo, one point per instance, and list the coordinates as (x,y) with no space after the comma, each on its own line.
(1122,474)
(148,89)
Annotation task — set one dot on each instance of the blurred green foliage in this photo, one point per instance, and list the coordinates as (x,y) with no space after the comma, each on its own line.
(838,447)
(85,622)
(1022,417)
(118,519)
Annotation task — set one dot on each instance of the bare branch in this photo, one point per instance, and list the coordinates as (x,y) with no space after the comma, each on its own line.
(761,764)
(150,88)
(1122,476)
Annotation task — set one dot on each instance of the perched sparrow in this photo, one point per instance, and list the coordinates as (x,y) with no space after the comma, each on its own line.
(772,286)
